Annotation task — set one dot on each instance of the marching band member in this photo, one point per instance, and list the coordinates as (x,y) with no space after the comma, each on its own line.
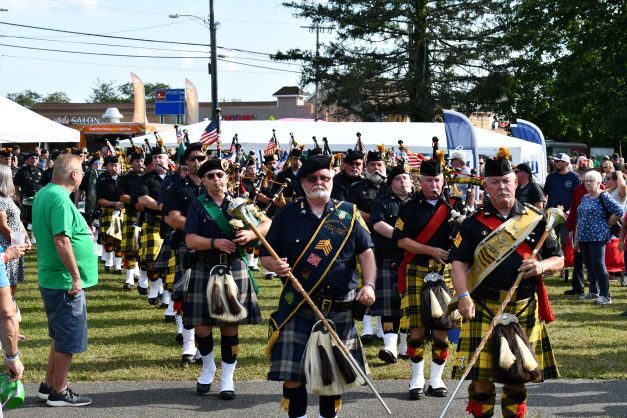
(384,213)
(220,270)
(362,193)
(131,225)
(292,165)
(176,203)
(507,358)
(148,194)
(423,231)
(320,239)
(352,170)
(108,198)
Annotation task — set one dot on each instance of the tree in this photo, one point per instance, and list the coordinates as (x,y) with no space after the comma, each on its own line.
(104,92)
(569,75)
(56,97)
(126,90)
(402,57)
(26,98)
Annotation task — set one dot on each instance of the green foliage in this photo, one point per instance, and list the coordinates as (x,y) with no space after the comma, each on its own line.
(104,92)
(401,57)
(568,75)
(26,98)
(56,97)
(126,91)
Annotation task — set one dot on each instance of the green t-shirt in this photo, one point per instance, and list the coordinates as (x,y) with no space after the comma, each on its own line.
(54,213)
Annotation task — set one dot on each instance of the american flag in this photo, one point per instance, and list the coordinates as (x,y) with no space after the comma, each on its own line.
(413,160)
(210,134)
(271,147)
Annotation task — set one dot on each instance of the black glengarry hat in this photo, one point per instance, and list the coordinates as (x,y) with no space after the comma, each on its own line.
(500,165)
(430,168)
(314,163)
(352,155)
(213,164)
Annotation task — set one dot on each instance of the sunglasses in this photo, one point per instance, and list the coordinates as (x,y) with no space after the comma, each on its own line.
(218,174)
(355,163)
(197,158)
(314,179)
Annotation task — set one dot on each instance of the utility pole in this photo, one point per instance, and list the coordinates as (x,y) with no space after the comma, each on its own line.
(317,28)
(213,69)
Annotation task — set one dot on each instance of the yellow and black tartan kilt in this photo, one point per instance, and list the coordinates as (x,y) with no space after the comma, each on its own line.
(150,242)
(127,233)
(105,222)
(411,316)
(474,329)
(170,272)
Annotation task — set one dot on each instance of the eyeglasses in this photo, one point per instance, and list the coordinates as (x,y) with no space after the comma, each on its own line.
(314,179)
(355,163)
(197,158)
(218,174)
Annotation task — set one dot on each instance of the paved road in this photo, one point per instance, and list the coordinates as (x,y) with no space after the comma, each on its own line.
(559,398)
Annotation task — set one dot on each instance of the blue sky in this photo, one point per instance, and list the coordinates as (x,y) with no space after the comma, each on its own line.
(262,26)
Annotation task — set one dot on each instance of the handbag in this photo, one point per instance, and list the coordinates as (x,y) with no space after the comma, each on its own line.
(614,229)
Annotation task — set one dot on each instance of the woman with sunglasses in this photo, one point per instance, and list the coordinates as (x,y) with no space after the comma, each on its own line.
(204,233)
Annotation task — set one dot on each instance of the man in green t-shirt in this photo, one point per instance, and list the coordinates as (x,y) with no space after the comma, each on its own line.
(66,264)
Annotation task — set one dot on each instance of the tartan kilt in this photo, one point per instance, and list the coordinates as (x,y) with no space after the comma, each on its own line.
(106,213)
(286,357)
(165,252)
(411,316)
(388,300)
(196,306)
(180,252)
(474,329)
(127,233)
(150,242)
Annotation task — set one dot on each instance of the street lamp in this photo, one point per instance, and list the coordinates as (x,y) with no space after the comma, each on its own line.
(213,65)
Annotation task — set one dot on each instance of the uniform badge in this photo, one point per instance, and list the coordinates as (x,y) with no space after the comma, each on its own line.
(399,224)
(458,240)
(289,298)
(305,274)
(314,260)
(325,246)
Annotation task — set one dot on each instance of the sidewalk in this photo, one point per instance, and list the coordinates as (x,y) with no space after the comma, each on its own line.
(561,398)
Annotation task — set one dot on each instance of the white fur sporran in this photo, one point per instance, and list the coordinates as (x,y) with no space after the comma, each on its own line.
(223,296)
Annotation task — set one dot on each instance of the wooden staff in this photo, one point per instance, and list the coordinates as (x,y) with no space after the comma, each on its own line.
(555,217)
(236,210)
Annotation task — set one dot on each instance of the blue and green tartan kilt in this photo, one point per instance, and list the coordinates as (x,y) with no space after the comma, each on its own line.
(196,305)
(474,329)
(388,300)
(286,357)
(150,242)
(165,252)
(181,252)
(127,233)
(411,315)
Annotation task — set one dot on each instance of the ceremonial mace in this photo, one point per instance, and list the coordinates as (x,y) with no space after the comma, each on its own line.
(237,209)
(555,216)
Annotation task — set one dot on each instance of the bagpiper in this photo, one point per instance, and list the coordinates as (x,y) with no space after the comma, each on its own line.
(111,214)
(489,251)
(423,230)
(352,171)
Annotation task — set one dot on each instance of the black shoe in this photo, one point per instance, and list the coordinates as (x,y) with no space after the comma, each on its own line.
(107,269)
(227,395)
(67,398)
(436,393)
(624,314)
(415,394)
(120,271)
(367,338)
(169,318)
(163,305)
(403,356)
(187,359)
(136,278)
(128,286)
(179,338)
(44,391)
(203,389)
(387,357)
(573,292)
(142,290)
(269,276)
(153,301)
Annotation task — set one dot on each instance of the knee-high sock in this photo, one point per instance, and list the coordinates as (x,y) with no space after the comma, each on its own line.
(416,348)
(229,346)
(481,405)
(294,401)
(513,402)
(330,406)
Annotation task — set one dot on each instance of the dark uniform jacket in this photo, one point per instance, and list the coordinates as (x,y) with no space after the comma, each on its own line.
(124,187)
(28,179)
(386,207)
(292,228)
(180,196)
(341,183)
(363,192)
(149,186)
(46,177)
(414,217)
(472,232)
(294,189)
(107,188)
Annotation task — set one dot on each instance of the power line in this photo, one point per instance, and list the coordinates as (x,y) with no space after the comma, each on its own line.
(259,66)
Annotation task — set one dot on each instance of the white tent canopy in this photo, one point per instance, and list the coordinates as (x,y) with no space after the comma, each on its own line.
(254,135)
(21,125)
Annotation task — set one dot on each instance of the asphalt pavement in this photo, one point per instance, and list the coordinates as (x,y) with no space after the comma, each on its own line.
(556,398)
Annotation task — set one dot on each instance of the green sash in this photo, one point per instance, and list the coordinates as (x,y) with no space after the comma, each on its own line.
(217,215)
(313,264)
